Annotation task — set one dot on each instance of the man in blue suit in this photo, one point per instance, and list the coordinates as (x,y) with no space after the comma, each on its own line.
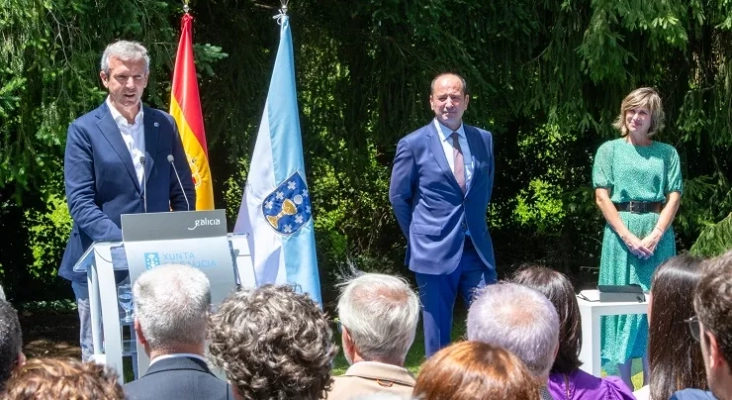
(117,162)
(440,188)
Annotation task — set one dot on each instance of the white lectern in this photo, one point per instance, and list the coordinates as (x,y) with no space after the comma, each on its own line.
(590,312)
(196,238)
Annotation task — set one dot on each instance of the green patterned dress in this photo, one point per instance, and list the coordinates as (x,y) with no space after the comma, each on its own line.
(640,173)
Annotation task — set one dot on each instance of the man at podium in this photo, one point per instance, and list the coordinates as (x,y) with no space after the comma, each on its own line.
(121,158)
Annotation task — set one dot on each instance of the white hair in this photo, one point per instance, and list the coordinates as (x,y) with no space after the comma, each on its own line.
(126,51)
(519,319)
(381,313)
(172,304)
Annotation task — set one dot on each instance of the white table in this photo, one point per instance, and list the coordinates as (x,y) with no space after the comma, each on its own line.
(590,312)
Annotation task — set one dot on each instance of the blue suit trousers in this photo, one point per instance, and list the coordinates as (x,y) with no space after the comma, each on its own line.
(439,292)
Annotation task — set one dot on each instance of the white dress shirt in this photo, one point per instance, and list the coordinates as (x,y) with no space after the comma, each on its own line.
(177,355)
(134,137)
(447,147)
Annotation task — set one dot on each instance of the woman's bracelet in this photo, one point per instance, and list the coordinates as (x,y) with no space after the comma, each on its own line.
(659,229)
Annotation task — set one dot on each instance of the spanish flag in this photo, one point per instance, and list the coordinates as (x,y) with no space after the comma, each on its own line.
(185,107)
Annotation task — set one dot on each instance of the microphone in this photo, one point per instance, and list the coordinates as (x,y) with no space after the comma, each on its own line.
(144,184)
(170,160)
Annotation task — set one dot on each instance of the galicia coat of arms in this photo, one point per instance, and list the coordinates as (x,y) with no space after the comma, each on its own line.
(287,208)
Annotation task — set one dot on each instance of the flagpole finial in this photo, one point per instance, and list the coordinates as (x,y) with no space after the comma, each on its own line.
(185,6)
(283,11)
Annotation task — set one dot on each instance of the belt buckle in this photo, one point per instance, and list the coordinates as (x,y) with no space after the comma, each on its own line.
(635,207)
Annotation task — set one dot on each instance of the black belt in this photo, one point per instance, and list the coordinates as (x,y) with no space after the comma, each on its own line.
(640,207)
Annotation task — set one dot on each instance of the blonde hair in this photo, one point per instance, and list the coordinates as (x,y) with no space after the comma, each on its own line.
(642,97)
(49,378)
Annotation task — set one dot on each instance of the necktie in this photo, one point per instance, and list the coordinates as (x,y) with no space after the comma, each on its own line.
(459,163)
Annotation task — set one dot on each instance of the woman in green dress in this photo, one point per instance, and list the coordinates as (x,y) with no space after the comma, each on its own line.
(638,187)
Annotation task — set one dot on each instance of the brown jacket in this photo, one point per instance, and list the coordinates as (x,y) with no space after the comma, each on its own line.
(366,377)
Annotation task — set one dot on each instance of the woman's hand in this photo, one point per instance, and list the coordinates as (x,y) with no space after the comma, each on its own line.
(638,247)
(651,241)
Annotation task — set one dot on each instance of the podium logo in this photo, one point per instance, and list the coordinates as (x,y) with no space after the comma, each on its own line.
(152,260)
(205,222)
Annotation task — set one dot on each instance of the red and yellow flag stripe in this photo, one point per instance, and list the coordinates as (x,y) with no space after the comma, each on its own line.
(185,107)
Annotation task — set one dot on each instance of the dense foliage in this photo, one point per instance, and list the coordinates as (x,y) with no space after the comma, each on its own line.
(546,77)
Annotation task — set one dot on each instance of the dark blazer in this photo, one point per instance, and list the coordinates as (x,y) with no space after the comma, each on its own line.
(430,206)
(179,378)
(101,183)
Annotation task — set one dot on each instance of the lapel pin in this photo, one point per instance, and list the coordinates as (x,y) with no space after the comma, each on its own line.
(156,124)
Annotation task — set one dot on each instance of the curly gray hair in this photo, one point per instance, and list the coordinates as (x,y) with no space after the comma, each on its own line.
(273,344)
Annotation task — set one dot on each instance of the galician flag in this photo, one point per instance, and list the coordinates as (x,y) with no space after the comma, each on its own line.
(275,208)
(185,107)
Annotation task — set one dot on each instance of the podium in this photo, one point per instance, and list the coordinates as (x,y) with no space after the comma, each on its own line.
(590,313)
(196,238)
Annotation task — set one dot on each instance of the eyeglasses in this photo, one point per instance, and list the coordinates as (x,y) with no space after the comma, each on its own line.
(338,324)
(694,329)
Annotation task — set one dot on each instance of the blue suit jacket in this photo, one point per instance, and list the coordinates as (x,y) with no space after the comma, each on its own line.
(431,209)
(178,378)
(101,183)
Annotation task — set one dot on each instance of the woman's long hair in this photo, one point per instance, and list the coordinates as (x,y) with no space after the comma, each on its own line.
(675,357)
(560,292)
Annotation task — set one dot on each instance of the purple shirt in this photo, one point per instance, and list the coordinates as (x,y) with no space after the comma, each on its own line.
(583,386)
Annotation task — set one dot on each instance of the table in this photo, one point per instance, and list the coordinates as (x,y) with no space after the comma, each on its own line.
(590,311)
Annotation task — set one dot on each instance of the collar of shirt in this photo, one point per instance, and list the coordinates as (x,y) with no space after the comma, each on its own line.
(176,355)
(447,132)
(120,119)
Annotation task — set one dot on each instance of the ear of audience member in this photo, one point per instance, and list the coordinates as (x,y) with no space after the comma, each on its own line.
(565,375)
(48,378)
(11,342)
(713,305)
(519,319)
(675,358)
(379,315)
(273,344)
(475,371)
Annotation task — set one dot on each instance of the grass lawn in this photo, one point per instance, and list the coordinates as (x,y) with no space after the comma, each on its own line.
(415,357)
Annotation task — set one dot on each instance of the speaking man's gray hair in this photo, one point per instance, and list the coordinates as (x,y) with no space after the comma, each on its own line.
(519,319)
(172,304)
(381,313)
(125,51)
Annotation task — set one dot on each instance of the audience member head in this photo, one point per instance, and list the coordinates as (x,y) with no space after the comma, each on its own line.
(675,358)
(49,378)
(171,309)
(273,344)
(560,292)
(475,371)
(519,319)
(713,305)
(379,315)
(11,342)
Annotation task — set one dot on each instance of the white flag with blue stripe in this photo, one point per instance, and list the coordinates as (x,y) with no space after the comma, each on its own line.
(275,209)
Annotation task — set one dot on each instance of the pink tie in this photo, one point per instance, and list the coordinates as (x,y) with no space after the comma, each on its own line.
(459,165)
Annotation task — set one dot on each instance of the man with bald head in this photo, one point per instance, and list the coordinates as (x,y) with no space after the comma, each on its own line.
(441,185)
